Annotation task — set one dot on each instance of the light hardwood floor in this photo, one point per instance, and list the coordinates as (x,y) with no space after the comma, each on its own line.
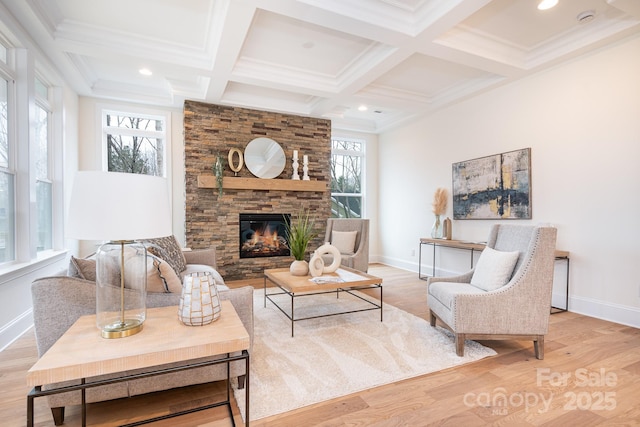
(590,377)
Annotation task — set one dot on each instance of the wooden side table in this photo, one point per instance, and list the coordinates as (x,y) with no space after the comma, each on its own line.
(81,353)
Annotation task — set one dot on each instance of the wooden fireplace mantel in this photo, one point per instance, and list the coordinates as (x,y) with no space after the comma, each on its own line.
(242,183)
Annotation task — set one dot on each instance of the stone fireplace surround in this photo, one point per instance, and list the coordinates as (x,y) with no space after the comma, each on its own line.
(213,221)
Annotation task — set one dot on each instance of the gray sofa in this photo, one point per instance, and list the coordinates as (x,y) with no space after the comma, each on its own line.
(60,300)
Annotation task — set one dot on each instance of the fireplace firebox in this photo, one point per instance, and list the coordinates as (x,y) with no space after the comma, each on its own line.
(263,235)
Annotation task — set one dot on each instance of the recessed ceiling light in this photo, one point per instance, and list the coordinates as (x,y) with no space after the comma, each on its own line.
(362,108)
(547,4)
(145,71)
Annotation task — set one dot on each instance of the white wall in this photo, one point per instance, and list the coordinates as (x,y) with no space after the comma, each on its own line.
(582,122)
(90,153)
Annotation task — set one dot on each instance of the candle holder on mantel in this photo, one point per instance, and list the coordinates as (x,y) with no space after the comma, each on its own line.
(295,175)
(305,168)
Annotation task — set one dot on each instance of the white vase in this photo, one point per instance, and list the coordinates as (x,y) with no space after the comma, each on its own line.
(436,230)
(316,265)
(199,301)
(299,268)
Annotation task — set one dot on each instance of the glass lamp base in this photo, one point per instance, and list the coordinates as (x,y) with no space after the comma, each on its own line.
(121,329)
(121,271)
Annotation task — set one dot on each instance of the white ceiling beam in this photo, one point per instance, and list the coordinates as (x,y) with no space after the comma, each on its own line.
(234,20)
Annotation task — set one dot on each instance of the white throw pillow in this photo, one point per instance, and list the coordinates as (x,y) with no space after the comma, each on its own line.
(201,268)
(345,241)
(494,269)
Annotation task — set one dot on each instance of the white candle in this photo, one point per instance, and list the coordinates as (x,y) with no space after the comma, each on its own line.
(295,154)
(305,159)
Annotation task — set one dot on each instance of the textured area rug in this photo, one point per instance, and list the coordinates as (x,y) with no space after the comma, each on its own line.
(334,356)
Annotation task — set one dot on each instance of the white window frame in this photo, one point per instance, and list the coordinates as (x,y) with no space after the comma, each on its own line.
(362,155)
(136,112)
(8,73)
(47,106)
(22,68)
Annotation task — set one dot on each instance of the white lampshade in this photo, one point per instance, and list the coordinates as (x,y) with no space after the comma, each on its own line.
(118,206)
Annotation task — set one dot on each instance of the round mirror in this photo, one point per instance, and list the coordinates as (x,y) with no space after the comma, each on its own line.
(264,158)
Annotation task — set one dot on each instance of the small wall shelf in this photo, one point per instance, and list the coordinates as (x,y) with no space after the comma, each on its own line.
(241,183)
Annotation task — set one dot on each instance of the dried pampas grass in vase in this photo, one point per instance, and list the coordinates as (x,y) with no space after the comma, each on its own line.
(439,209)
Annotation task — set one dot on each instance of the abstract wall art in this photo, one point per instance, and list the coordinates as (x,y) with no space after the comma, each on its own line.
(493,187)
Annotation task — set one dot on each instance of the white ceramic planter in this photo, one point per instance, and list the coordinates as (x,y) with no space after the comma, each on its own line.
(299,268)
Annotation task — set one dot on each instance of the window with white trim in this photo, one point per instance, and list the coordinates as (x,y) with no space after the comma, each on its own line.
(347,177)
(43,163)
(134,143)
(7,162)
(30,158)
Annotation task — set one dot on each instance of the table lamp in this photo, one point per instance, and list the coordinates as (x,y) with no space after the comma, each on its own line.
(119,208)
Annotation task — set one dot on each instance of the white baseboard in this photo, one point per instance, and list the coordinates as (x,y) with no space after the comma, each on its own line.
(398,263)
(14,329)
(611,312)
(617,313)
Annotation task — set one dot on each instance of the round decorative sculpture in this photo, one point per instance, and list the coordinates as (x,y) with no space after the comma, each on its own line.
(199,301)
(328,249)
(316,265)
(233,165)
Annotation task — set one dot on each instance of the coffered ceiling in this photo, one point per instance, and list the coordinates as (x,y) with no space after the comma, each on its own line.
(322,58)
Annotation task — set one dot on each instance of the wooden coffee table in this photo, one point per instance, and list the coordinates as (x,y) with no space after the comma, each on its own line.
(82,353)
(345,280)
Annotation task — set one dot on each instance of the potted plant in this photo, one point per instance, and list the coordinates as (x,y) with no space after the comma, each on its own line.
(218,170)
(300,231)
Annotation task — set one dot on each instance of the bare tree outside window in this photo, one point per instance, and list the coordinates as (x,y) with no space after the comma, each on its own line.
(135,144)
(346,178)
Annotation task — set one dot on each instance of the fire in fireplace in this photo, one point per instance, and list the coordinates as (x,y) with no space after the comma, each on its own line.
(263,235)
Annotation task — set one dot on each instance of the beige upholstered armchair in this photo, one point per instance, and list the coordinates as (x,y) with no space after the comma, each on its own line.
(351,237)
(507,296)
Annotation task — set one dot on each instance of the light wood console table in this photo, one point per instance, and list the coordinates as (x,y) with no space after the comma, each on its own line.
(479,247)
(81,353)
